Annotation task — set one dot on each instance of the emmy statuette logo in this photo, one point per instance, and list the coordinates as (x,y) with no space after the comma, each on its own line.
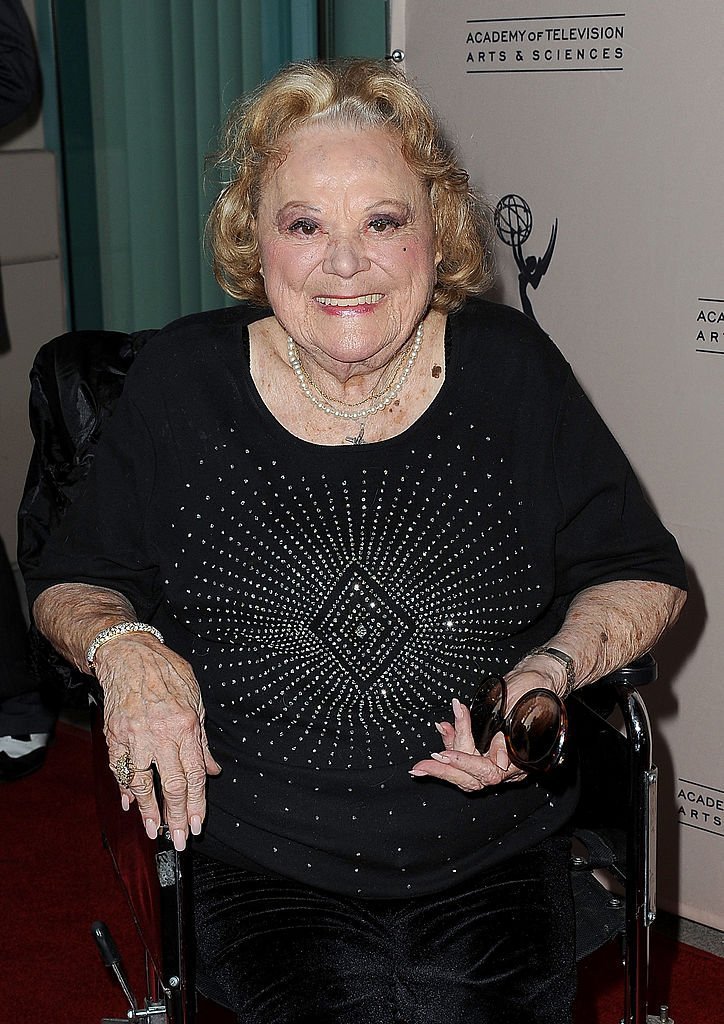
(514,223)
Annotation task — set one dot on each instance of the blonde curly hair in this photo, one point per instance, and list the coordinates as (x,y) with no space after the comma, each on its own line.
(363,94)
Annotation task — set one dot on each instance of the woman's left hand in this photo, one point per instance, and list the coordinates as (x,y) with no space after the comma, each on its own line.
(461,763)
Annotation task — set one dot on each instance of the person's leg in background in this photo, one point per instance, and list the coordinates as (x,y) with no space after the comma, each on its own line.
(25,721)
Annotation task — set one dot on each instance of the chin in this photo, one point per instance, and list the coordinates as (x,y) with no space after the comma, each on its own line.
(356,341)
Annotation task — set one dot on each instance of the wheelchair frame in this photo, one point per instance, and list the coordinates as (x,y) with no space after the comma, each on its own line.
(161,903)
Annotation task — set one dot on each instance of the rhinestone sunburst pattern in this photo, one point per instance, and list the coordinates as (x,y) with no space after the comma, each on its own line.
(343,608)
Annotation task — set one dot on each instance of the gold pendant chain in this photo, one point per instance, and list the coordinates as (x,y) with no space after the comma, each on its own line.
(352,411)
(376,391)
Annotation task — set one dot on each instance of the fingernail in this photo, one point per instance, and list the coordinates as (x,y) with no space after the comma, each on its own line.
(151,828)
(125,802)
(438,726)
(457,709)
(179,839)
(417,773)
(501,760)
(195,825)
(440,757)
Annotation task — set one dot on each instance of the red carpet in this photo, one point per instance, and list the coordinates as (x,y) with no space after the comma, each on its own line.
(689,981)
(56,878)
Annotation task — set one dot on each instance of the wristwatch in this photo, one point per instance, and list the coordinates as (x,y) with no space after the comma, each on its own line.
(566,660)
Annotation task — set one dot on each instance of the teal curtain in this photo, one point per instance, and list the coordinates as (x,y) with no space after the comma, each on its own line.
(352,28)
(145,86)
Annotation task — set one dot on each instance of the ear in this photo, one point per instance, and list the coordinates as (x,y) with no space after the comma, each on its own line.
(253,226)
(438,249)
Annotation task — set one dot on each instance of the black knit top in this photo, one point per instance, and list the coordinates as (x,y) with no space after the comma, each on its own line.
(333,600)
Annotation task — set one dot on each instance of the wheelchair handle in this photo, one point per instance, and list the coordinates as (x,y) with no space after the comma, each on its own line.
(106,945)
(112,958)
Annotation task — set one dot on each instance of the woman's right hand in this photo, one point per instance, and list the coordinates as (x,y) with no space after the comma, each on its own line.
(154,713)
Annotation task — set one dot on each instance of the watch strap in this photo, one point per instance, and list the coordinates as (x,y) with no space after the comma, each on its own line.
(564,659)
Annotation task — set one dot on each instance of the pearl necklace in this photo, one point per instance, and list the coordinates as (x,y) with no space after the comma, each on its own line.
(350,413)
(377,391)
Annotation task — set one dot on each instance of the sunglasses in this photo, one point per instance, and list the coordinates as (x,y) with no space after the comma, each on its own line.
(535,728)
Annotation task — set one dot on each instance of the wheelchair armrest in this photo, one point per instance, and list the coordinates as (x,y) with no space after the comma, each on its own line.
(637,673)
(616,688)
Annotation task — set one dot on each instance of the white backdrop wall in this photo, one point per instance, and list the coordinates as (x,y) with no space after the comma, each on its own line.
(609,126)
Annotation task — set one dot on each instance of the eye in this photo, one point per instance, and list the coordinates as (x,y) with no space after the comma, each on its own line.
(379,225)
(303,227)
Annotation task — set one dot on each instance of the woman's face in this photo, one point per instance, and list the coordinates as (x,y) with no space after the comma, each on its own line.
(347,246)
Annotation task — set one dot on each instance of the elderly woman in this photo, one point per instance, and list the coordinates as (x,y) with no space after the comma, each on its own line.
(341,505)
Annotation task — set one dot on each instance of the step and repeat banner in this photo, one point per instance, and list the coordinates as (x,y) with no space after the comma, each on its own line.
(597,134)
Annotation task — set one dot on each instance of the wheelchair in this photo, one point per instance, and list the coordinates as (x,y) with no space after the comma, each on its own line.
(75,382)
(612,865)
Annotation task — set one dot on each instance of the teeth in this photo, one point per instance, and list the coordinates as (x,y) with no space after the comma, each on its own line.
(358,300)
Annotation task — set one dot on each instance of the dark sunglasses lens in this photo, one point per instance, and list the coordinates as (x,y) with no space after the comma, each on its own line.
(536,729)
(486,711)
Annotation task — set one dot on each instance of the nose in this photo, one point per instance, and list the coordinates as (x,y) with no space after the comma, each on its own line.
(345,256)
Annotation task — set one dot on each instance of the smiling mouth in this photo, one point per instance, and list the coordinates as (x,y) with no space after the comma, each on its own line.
(357,300)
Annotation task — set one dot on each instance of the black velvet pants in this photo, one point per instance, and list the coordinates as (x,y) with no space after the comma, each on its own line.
(496,950)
